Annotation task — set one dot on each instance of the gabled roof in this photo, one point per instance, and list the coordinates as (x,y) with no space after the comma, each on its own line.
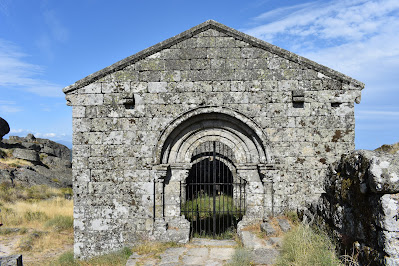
(211,24)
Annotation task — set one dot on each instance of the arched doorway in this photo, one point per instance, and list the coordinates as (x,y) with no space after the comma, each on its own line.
(214,199)
(220,140)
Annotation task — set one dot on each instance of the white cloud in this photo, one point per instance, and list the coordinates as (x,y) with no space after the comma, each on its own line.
(17,73)
(18,131)
(4,7)
(9,107)
(357,37)
(57,30)
(54,33)
(350,20)
(45,135)
(49,135)
(377,115)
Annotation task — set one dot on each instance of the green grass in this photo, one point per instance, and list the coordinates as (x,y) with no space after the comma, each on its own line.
(202,206)
(306,246)
(115,258)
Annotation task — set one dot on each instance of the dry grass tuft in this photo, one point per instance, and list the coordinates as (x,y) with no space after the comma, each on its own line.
(117,258)
(305,246)
(392,149)
(14,162)
(40,214)
(152,248)
(8,160)
(35,214)
(252,227)
(15,192)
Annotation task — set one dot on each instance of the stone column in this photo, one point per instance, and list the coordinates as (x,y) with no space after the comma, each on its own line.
(160,174)
(253,191)
(174,189)
(268,174)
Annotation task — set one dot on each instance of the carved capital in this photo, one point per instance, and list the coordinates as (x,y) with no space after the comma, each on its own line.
(160,171)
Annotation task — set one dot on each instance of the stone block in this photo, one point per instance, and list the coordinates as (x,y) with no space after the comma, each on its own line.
(24,154)
(78,112)
(284,225)
(268,228)
(12,260)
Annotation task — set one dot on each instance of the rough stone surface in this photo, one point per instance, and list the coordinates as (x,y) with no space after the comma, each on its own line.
(13,260)
(28,155)
(197,252)
(137,123)
(4,128)
(53,169)
(284,225)
(361,206)
(262,251)
(46,146)
(266,256)
(267,228)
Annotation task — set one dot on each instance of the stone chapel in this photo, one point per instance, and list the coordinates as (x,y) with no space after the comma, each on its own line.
(202,133)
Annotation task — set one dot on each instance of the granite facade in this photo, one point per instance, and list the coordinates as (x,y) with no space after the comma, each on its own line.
(136,123)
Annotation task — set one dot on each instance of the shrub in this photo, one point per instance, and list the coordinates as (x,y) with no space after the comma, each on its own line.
(202,206)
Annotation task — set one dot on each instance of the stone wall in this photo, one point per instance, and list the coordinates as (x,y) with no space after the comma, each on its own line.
(135,123)
(361,206)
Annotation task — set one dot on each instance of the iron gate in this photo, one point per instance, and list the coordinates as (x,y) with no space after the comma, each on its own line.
(213,197)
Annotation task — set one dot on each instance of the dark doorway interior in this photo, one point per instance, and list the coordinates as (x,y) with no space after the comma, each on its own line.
(213,202)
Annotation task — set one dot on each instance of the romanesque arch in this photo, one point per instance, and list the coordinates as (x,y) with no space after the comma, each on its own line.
(177,146)
(186,132)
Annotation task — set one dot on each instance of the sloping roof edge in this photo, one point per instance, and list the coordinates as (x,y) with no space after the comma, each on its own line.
(210,24)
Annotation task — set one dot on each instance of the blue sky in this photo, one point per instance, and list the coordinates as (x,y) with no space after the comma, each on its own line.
(46,45)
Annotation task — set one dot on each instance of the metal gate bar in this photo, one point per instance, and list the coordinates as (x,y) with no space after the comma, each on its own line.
(214,201)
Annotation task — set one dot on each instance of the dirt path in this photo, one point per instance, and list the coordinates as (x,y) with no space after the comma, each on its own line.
(8,244)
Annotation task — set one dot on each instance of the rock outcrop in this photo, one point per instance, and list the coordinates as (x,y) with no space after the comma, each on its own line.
(4,128)
(360,206)
(41,161)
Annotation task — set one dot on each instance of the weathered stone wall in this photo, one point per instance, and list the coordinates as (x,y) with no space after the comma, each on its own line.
(361,206)
(302,114)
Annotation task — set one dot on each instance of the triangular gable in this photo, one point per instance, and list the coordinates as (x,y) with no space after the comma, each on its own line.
(211,24)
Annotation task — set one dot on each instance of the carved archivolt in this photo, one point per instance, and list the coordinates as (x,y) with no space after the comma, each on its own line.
(241,134)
